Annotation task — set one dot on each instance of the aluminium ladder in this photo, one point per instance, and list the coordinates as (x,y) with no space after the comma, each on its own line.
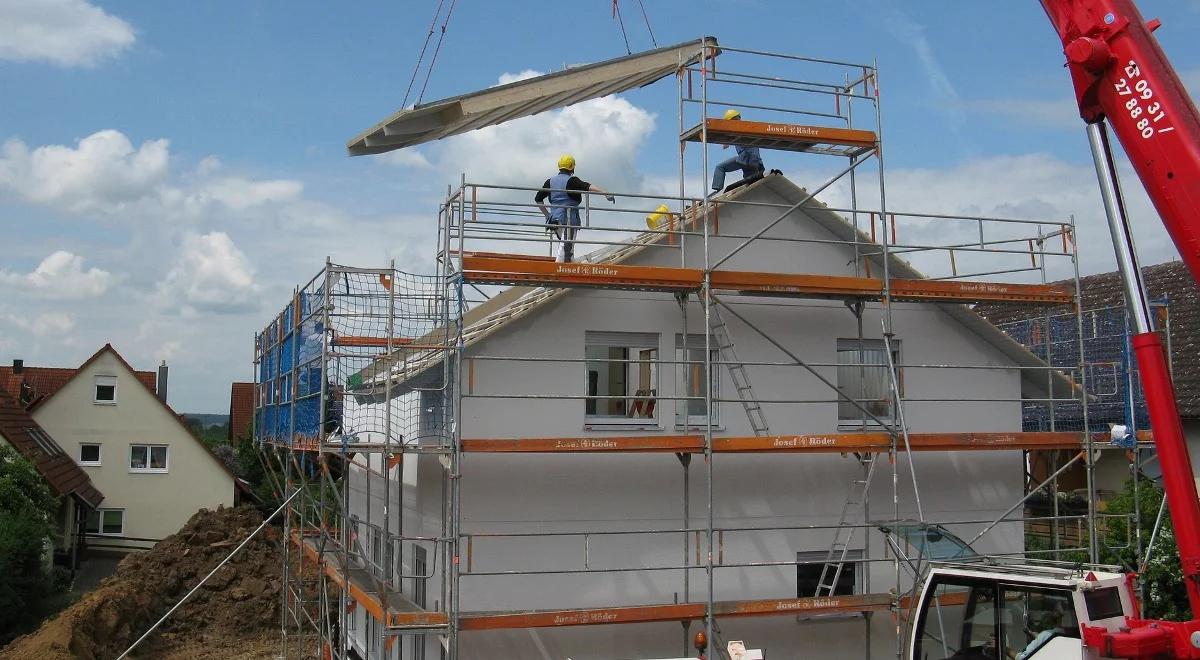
(737,372)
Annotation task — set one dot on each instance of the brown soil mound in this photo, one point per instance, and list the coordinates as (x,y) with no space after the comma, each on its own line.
(241,600)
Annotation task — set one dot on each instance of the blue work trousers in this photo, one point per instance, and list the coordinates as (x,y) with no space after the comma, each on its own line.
(748,168)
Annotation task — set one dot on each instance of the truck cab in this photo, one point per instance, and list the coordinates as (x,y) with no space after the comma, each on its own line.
(993,611)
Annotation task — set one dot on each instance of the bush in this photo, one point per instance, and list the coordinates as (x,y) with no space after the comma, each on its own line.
(1162,579)
(27,508)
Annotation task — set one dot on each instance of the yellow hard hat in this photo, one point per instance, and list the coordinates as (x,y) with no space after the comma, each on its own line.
(660,217)
(733,113)
(566,162)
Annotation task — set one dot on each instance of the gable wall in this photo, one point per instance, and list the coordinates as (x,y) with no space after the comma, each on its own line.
(156,505)
(564,493)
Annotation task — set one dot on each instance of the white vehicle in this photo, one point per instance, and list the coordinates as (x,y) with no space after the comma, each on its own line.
(1029,611)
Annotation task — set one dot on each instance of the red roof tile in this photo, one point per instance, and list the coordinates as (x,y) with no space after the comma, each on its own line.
(32,442)
(42,382)
(241,411)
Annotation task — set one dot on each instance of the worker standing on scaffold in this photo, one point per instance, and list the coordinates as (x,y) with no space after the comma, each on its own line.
(564,190)
(748,160)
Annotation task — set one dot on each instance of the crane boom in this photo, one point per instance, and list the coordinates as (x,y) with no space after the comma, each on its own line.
(1122,76)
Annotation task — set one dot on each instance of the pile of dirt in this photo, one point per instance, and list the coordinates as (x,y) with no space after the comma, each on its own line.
(242,600)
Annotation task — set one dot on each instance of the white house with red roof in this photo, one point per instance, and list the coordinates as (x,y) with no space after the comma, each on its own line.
(154,472)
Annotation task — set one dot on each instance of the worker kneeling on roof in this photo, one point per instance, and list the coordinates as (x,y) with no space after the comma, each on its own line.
(562,217)
(748,160)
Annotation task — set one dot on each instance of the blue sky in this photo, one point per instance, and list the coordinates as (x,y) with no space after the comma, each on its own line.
(170,170)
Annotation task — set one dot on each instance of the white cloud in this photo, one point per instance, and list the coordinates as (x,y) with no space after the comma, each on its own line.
(48,324)
(59,276)
(63,32)
(409,157)
(603,134)
(105,174)
(102,172)
(240,194)
(1031,187)
(211,274)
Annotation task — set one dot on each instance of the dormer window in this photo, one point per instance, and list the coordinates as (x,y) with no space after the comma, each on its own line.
(105,390)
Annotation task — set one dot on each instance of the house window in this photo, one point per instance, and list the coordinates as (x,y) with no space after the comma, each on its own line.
(862,374)
(106,522)
(43,441)
(147,458)
(105,390)
(89,454)
(622,377)
(811,564)
(690,381)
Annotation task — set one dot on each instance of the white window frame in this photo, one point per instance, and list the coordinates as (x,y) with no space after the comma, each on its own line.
(867,345)
(100,527)
(104,380)
(99,454)
(634,342)
(684,420)
(150,470)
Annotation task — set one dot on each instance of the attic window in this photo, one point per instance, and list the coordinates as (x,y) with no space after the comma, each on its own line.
(106,390)
(43,441)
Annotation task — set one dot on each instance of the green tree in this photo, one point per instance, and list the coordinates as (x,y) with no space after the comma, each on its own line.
(27,508)
(1162,578)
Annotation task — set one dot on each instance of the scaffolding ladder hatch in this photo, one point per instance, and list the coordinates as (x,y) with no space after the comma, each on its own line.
(809,443)
(784,137)
(392,608)
(672,612)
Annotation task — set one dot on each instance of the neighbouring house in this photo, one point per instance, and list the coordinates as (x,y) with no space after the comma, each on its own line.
(629,351)
(109,418)
(79,497)
(241,412)
(1115,391)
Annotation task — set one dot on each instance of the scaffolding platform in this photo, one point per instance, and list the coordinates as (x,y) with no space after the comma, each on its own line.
(784,137)
(674,612)
(814,443)
(391,607)
(520,270)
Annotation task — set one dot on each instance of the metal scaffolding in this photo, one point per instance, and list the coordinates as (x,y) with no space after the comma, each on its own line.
(366,370)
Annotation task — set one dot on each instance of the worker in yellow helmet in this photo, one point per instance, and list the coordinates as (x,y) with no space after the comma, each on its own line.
(565,191)
(748,160)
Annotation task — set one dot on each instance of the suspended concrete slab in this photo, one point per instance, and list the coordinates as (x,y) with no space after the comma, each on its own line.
(496,105)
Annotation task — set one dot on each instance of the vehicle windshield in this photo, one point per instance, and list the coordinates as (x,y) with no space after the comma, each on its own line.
(974,619)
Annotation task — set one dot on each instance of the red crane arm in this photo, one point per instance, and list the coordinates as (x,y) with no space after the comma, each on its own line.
(1121,75)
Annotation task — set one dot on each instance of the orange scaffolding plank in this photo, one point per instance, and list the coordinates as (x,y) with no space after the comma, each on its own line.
(951,291)
(393,609)
(808,443)
(517,269)
(504,270)
(672,612)
(371,342)
(785,137)
(580,617)
(664,443)
(814,606)
(797,285)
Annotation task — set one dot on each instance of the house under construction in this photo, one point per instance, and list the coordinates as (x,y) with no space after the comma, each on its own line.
(746,414)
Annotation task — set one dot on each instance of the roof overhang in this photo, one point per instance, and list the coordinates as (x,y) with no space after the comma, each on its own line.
(496,105)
